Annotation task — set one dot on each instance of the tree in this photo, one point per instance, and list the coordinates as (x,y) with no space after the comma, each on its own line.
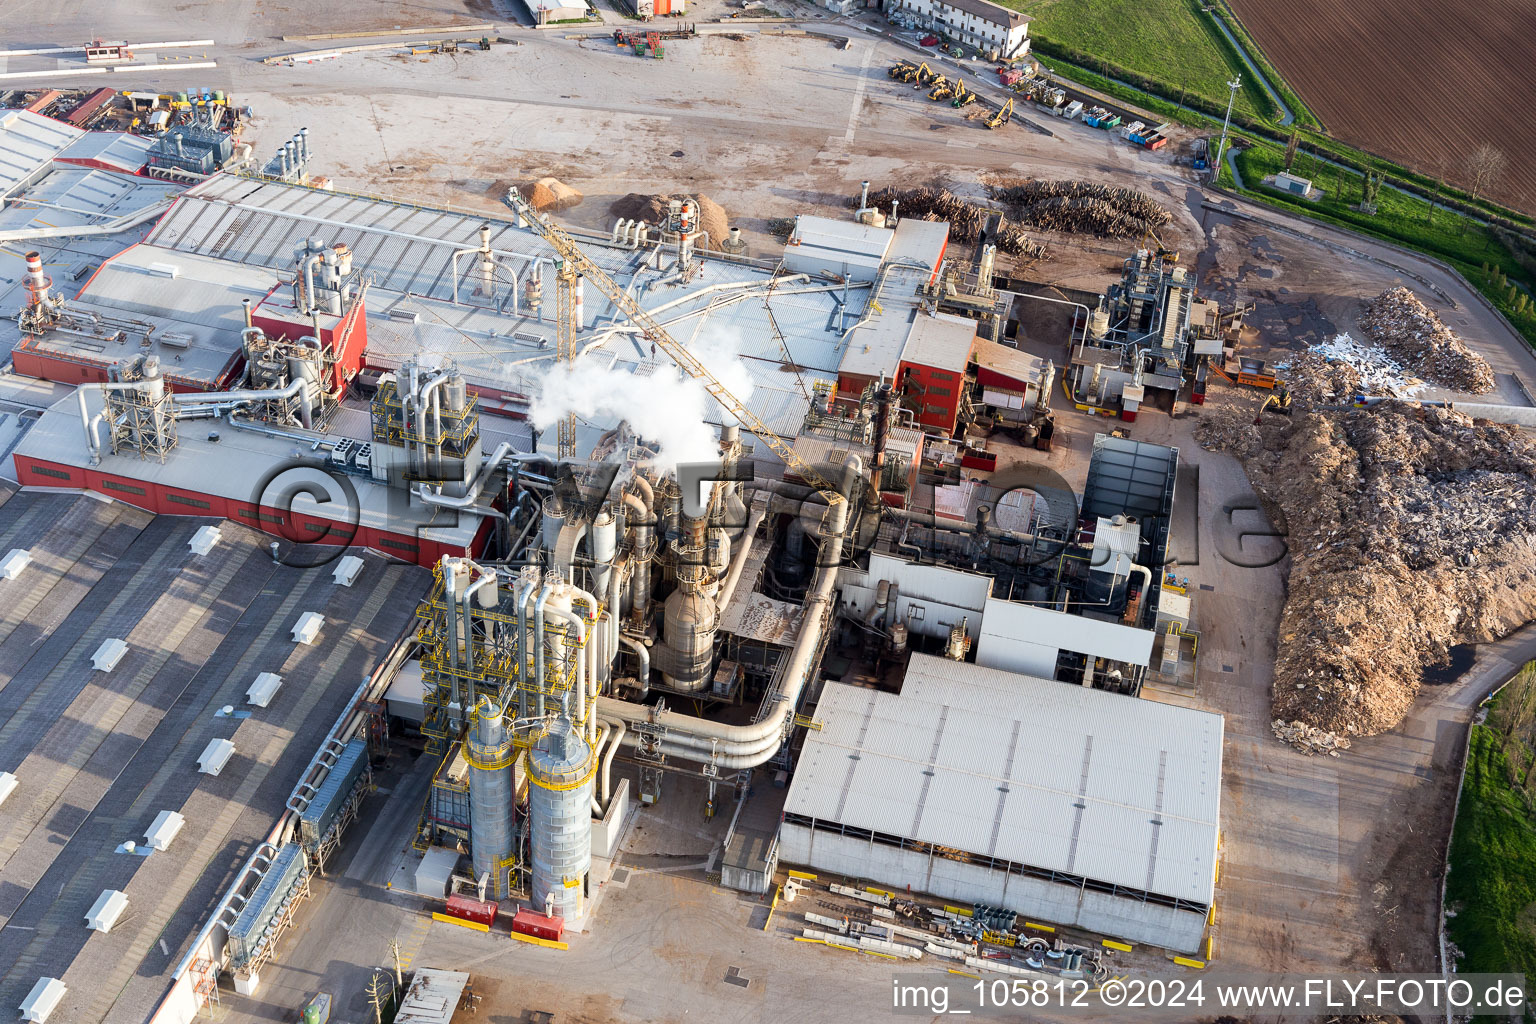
(1486,166)
(1290,148)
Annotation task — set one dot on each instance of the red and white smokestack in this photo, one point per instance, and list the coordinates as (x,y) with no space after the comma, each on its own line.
(581,313)
(37,281)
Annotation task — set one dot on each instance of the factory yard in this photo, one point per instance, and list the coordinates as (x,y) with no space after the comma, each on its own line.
(1343,57)
(522,650)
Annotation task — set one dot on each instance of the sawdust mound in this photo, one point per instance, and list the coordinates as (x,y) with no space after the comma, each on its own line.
(1409,531)
(967,220)
(1412,333)
(550,194)
(1083,207)
(653,210)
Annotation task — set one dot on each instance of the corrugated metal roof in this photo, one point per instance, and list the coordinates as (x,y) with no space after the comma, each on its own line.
(942,341)
(1112,788)
(839,240)
(28,143)
(1012,363)
(118,150)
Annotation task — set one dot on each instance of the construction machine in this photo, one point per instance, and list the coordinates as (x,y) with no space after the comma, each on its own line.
(1164,253)
(962,96)
(942,89)
(924,74)
(1278,403)
(1002,116)
(902,70)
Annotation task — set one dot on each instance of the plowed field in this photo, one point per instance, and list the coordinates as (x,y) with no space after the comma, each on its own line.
(1418,82)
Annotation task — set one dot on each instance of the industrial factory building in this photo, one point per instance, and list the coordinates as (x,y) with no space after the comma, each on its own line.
(320,373)
(128,796)
(1062,803)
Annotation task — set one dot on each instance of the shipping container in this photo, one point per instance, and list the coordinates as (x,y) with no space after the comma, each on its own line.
(478,911)
(530,922)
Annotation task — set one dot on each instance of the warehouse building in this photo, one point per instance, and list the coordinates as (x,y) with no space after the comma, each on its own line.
(1066,804)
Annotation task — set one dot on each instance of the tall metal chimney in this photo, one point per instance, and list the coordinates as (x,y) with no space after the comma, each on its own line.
(580,314)
(304,144)
(37,281)
(246,304)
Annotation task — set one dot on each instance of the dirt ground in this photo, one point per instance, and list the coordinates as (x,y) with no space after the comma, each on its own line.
(1343,58)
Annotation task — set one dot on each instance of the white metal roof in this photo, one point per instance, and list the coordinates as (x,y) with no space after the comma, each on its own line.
(432,997)
(838,241)
(119,151)
(28,143)
(1008,622)
(942,341)
(1058,777)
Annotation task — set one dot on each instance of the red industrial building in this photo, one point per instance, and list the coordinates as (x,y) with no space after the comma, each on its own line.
(930,378)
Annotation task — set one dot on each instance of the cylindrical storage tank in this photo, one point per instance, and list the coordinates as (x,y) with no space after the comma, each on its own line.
(455,393)
(489,751)
(555,515)
(689,630)
(605,542)
(560,771)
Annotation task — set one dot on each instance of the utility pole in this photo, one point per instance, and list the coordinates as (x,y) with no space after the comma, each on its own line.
(1221,146)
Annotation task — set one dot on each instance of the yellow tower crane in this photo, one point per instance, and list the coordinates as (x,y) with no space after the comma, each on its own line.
(565,348)
(577,262)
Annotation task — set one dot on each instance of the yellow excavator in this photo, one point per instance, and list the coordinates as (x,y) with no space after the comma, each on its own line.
(1004,113)
(1279,402)
(962,96)
(1163,252)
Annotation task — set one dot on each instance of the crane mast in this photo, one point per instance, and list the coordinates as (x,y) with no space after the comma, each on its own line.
(574,262)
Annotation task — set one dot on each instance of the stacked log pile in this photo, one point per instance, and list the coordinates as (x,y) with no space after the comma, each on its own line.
(1082,207)
(967,220)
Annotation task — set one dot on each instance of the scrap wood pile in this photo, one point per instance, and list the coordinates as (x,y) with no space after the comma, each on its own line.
(1409,532)
(967,220)
(1414,336)
(1314,379)
(1083,207)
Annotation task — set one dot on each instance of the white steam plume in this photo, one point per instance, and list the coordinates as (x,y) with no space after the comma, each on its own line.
(666,407)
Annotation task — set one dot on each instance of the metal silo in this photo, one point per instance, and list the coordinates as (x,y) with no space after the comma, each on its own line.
(560,770)
(488,749)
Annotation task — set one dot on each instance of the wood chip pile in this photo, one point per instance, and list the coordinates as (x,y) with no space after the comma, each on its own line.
(1082,207)
(653,210)
(550,194)
(1412,333)
(1409,531)
(966,219)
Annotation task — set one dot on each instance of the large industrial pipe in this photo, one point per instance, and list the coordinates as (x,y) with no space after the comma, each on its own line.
(643,655)
(747,746)
(579,686)
(739,561)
